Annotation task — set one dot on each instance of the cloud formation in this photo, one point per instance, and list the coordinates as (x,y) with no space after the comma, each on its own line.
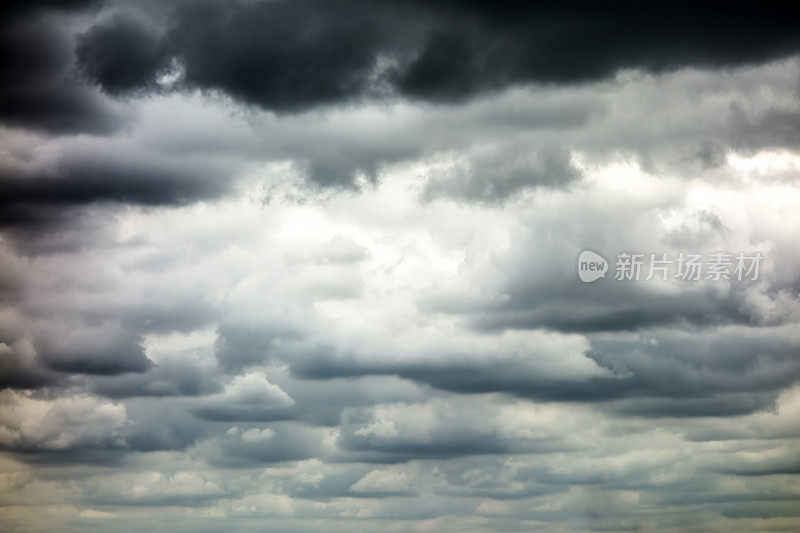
(311,266)
(287,56)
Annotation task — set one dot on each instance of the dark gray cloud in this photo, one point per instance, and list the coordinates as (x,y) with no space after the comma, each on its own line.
(84,178)
(61,199)
(532,307)
(168,377)
(290,44)
(19,369)
(38,88)
(287,56)
(243,445)
(100,49)
(402,432)
(671,373)
(240,344)
(23,7)
(152,429)
(499,174)
(281,55)
(515,42)
(103,349)
(310,265)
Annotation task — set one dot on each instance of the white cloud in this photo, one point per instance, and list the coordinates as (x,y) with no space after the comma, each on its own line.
(62,423)
(382,481)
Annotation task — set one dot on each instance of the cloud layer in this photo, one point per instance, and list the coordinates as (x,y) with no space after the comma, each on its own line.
(311,266)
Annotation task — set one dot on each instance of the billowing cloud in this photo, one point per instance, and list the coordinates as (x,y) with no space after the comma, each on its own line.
(30,423)
(292,55)
(247,397)
(311,266)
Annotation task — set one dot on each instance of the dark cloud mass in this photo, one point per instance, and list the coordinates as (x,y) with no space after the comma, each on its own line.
(310,265)
(100,49)
(101,350)
(286,56)
(46,192)
(38,87)
(84,180)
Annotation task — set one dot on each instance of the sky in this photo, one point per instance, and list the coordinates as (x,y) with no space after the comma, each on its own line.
(316,266)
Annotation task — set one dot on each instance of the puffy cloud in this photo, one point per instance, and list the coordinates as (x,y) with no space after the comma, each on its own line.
(248,397)
(29,423)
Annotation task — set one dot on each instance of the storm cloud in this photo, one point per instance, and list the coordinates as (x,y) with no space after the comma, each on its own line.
(311,266)
(287,56)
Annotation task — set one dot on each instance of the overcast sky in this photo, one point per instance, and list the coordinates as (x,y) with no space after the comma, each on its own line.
(311,266)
